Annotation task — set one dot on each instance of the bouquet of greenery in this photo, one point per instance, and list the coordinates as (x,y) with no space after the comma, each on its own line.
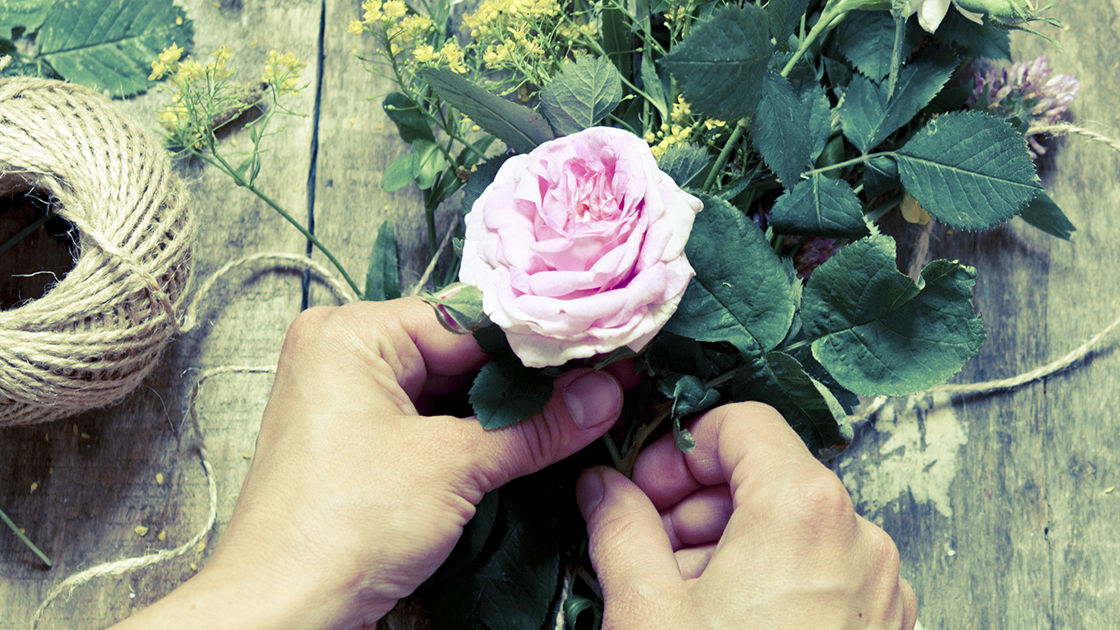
(691,186)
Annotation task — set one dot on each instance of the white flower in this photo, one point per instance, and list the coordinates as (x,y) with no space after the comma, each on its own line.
(931,12)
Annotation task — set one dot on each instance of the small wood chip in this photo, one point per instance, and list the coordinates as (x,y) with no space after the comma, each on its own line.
(34,486)
(162,535)
(159,479)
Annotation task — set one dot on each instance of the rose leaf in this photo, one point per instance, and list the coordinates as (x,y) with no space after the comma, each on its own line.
(684,163)
(780,381)
(877,332)
(1045,215)
(969,170)
(790,131)
(722,61)
(869,114)
(742,293)
(411,123)
(25,14)
(110,45)
(866,39)
(521,128)
(582,94)
(820,206)
(506,392)
(784,16)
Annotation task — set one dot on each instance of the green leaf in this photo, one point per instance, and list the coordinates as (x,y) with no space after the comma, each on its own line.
(110,44)
(778,380)
(475,534)
(411,123)
(784,17)
(521,128)
(742,293)
(820,206)
(877,332)
(480,179)
(969,169)
(788,131)
(383,280)
(974,40)
(26,14)
(618,39)
(1045,215)
(653,87)
(519,581)
(492,340)
(673,353)
(400,173)
(880,175)
(684,162)
(721,62)
(506,392)
(458,307)
(582,94)
(867,116)
(430,162)
(866,38)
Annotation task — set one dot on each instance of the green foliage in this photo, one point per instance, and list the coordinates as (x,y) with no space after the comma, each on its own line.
(521,128)
(972,39)
(720,59)
(507,581)
(411,122)
(866,39)
(506,392)
(1045,215)
(684,163)
(784,16)
(582,94)
(877,332)
(969,169)
(110,44)
(820,206)
(869,115)
(689,395)
(482,177)
(27,15)
(618,40)
(810,408)
(790,131)
(742,293)
(383,280)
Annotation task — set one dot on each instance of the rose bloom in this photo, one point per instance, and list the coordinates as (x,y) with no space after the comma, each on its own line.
(578,247)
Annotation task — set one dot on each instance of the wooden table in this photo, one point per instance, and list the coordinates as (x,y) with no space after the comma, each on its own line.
(1003,506)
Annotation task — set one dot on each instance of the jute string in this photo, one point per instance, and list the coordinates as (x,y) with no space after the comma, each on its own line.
(101,329)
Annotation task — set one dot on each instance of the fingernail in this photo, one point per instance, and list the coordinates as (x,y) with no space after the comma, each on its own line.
(589,492)
(593,399)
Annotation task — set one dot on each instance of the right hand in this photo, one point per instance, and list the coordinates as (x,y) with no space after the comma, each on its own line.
(746,531)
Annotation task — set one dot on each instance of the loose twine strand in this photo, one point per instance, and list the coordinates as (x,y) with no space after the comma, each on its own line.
(343,293)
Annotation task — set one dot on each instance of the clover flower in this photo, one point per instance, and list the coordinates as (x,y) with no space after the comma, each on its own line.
(1026,90)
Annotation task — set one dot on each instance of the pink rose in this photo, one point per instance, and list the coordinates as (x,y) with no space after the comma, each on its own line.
(578,247)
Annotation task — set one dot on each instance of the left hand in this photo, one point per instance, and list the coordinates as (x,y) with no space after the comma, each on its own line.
(353,499)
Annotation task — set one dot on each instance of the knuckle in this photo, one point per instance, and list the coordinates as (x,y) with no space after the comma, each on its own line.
(821,498)
(307,328)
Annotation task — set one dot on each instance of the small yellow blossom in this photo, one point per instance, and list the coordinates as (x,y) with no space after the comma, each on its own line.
(424,53)
(452,55)
(395,9)
(355,28)
(372,10)
(282,71)
(171,54)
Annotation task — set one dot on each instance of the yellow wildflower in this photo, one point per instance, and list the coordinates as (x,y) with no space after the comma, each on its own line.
(424,53)
(189,70)
(171,54)
(395,9)
(283,71)
(452,55)
(372,10)
(355,28)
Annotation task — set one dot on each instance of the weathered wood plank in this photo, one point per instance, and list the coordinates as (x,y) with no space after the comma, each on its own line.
(999,503)
(94,491)
(357,142)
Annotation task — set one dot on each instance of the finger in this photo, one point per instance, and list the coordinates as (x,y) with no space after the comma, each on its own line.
(909,605)
(584,405)
(663,474)
(700,518)
(691,561)
(628,546)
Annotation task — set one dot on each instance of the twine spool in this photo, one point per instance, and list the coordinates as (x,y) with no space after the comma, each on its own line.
(100,330)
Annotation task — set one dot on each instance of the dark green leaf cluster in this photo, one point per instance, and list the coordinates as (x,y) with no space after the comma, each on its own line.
(107,45)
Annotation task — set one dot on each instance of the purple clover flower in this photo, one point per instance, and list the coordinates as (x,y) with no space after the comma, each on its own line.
(1025,90)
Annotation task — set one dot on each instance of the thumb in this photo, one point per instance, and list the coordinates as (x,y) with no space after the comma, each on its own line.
(584,404)
(630,551)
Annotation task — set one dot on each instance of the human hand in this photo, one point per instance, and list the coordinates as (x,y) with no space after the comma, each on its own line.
(353,499)
(746,531)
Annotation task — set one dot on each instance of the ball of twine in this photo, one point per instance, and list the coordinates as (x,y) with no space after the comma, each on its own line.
(100,330)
